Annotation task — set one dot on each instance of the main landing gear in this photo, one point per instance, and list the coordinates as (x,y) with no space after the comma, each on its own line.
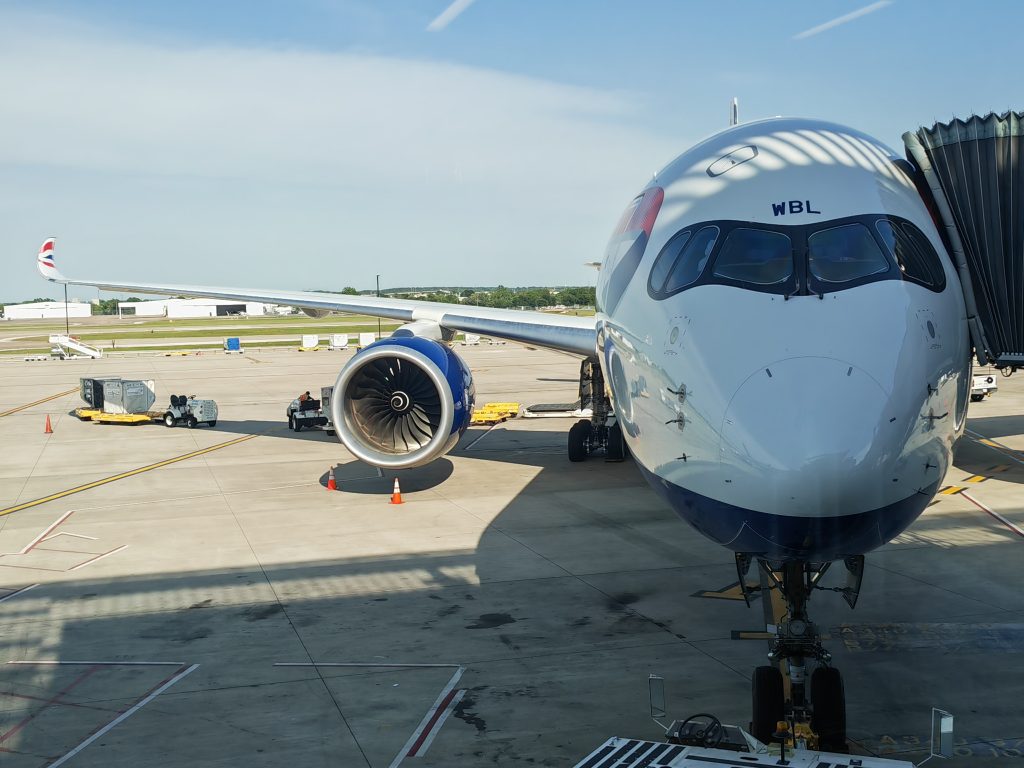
(596,434)
(821,706)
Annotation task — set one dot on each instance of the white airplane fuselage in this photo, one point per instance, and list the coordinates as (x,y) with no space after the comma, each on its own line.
(801,412)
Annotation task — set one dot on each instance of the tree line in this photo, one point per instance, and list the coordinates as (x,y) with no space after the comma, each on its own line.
(500,297)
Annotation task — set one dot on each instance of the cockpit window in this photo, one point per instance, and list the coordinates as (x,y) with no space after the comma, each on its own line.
(796,259)
(841,254)
(756,256)
(917,259)
(667,259)
(692,259)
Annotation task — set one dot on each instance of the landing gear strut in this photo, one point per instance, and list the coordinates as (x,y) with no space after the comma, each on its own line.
(822,704)
(595,434)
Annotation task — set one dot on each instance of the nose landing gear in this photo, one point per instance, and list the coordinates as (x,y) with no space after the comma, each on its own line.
(596,434)
(818,709)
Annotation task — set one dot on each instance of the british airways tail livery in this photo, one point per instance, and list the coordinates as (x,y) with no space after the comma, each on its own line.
(780,341)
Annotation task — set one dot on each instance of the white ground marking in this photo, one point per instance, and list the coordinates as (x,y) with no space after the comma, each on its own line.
(124,716)
(440,721)
(485,434)
(407,748)
(357,664)
(17,592)
(1015,528)
(46,532)
(99,557)
(46,663)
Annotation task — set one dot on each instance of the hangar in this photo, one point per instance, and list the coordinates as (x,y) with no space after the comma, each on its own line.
(185,308)
(38,310)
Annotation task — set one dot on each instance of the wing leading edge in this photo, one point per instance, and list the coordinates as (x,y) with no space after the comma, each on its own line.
(576,335)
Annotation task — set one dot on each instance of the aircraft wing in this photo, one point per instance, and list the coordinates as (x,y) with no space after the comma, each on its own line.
(568,333)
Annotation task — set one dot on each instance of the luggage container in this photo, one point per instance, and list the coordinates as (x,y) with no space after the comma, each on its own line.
(128,396)
(366,339)
(310,341)
(233,344)
(91,391)
(339,341)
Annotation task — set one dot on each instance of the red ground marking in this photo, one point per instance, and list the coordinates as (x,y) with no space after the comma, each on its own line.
(49,703)
(432,722)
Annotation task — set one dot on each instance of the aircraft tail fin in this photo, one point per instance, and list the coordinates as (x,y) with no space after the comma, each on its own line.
(45,263)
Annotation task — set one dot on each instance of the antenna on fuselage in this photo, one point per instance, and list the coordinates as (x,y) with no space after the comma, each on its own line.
(734,112)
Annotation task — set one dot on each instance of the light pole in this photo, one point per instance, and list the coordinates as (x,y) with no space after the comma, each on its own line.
(378,319)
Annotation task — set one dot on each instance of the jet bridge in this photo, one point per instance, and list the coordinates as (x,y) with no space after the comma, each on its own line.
(974,172)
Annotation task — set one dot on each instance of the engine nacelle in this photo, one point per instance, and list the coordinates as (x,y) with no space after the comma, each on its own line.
(402,402)
(313,312)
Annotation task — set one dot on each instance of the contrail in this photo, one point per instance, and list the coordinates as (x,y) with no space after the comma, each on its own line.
(821,27)
(448,15)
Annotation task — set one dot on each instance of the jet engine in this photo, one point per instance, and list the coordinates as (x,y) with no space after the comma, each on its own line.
(402,402)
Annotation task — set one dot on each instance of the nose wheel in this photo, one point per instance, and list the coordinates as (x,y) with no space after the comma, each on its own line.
(815,708)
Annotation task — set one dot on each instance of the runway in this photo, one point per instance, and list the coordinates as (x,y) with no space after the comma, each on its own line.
(187,597)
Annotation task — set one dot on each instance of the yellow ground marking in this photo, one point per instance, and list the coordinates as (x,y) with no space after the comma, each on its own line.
(123,475)
(729,592)
(37,402)
(976,479)
(750,634)
(949,490)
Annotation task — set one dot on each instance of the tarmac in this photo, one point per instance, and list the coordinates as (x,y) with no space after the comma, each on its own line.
(183,597)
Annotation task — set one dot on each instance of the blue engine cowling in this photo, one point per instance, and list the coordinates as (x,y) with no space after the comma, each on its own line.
(402,402)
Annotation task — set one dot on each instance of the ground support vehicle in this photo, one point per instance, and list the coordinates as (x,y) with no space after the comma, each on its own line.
(190,411)
(633,753)
(494,413)
(982,386)
(102,417)
(309,413)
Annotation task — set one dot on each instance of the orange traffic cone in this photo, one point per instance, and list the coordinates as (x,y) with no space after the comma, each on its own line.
(332,484)
(396,495)
(49,429)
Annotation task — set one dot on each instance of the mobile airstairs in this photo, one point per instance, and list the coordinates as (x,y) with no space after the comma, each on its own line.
(68,346)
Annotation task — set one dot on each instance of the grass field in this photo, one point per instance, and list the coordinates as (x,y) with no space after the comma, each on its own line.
(200,333)
(198,346)
(30,337)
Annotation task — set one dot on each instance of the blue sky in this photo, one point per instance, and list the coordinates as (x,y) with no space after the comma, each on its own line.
(314,144)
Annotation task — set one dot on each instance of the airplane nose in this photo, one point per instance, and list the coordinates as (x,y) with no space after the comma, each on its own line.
(807,437)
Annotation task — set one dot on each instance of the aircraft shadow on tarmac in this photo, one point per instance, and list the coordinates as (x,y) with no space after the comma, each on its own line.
(976,458)
(995,426)
(580,585)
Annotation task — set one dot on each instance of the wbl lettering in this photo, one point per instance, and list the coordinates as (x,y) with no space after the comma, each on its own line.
(793,206)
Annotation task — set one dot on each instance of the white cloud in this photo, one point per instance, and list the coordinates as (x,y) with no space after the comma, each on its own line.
(448,15)
(840,20)
(291,114)
(532,154)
